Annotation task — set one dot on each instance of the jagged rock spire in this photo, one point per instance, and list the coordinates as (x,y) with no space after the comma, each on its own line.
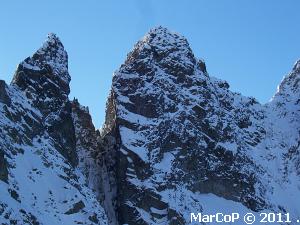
(53,54)
(52,57)
(44,76)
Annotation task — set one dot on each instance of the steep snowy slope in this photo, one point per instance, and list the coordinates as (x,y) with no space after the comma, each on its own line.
(40,182)
(186,143)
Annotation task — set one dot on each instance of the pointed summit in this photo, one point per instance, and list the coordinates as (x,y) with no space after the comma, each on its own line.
(53,45)
(166,49)
(51,55)
(164,37)
(45,75)
(53,38)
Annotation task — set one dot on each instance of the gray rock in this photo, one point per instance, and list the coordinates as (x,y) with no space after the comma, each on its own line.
(4,98)
(3,168)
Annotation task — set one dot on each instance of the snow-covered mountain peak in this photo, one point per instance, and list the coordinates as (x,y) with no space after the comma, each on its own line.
(164,49)
(53,53)
(44,76)
(164,38)
(52,57)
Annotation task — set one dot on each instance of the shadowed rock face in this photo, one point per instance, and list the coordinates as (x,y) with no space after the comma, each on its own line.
(3,168)
(4,98)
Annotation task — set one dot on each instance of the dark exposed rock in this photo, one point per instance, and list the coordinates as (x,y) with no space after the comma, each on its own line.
(94,219)
(62,130)
(3,168)
(29,218)
(201,65)
(4,98)
(76,208)
(87,150)
(14,194)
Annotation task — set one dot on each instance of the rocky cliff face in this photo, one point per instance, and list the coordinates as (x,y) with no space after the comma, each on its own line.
(175,141)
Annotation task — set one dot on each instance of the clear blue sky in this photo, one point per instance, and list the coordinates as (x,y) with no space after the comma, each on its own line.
(252,43)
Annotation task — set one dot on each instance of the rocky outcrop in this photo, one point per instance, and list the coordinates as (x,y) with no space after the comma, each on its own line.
(4,98)
(3,168)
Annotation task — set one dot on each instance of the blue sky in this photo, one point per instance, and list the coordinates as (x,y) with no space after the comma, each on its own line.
(251,44)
